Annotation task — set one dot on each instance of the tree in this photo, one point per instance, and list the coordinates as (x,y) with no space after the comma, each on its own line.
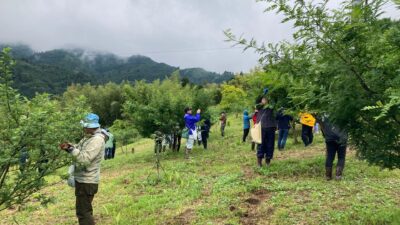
(345,63)
(159,106)
(30,131)
(233,98)
(124,132)
(105,100)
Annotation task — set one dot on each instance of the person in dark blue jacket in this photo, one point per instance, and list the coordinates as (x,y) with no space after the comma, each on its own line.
(190,123)
(246,124)
(283,127)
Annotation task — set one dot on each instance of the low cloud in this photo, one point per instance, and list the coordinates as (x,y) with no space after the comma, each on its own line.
(178,32)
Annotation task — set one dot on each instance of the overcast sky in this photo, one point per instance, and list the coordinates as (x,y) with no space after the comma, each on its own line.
(184,33)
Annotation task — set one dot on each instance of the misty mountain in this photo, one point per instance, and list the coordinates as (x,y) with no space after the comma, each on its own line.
(52,71)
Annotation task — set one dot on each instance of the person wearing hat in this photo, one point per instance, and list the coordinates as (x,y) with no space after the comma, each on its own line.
(190,123)
(87,155)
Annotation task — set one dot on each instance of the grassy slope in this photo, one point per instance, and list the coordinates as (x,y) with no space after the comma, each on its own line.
(223,186)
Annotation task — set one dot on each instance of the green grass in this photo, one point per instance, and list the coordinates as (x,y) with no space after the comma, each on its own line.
(223,186)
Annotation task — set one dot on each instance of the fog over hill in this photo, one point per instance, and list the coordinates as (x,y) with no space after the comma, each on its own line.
(52,71)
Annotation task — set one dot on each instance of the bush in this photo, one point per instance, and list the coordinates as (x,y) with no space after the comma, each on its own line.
(30,131)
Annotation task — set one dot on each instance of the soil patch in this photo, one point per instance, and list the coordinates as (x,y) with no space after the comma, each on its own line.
(251,214)
(184,218)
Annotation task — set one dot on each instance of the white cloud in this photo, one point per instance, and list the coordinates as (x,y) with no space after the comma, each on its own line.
(165,30)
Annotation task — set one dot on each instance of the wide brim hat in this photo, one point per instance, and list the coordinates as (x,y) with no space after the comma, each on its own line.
(91,120)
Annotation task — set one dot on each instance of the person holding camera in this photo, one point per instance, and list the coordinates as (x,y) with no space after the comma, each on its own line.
(87,155)
(190,123)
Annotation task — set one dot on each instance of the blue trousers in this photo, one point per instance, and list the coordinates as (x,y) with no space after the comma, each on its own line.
(282,137)
(266,149)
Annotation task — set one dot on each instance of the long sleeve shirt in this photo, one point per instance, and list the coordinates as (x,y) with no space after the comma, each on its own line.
(267,117)
(332,132)
(110,142)
(190,122)
(246,121)
(88,154)
(283,121)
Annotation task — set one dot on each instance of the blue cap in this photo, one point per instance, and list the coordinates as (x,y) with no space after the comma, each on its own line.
(91,121)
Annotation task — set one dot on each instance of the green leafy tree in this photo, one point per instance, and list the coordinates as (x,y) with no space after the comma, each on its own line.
(345,63)
(233,98)
(30,131)
(124,132)
(104,100)
(159,106)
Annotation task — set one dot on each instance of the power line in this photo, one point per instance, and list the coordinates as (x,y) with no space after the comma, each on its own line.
(94,53)
(387,5)
(191,50)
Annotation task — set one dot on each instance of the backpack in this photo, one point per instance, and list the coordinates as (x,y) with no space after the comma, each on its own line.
(185,133)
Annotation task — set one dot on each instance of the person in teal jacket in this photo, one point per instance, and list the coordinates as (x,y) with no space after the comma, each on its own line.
(246,124)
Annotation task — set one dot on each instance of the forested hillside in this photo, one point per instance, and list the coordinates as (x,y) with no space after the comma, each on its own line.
(52,71)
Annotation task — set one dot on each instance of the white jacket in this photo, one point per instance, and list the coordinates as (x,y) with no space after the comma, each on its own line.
(88,154)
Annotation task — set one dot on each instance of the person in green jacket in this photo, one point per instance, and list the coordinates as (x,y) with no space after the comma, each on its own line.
(110,146)
(87,155)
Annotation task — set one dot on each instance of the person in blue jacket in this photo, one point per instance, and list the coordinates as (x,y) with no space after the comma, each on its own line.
(283,127)
(246,124)
(190,123)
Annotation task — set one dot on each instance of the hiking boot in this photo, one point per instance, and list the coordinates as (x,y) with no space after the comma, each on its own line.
(328,173)
(259,162)
(267,162)
(187,153)
(339,172)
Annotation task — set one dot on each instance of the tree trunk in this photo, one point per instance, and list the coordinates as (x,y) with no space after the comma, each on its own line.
(295,133)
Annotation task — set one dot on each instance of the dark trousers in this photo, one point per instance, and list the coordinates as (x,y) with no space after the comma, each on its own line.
(282,137)
(107,153)
(333,148)
(307,135)
(176,143)
(223,130)
(245,133)
(253,145)
(266,149)
(84,196)
(112,152)
(204,138)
